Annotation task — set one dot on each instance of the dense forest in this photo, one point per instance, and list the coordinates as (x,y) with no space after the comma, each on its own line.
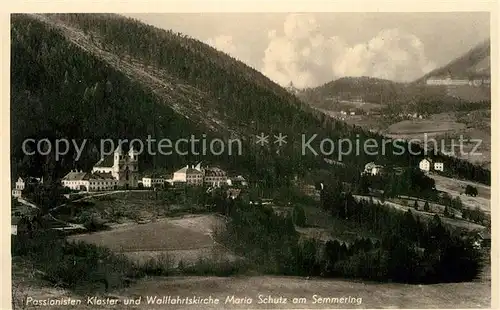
(60,90)
(408,250)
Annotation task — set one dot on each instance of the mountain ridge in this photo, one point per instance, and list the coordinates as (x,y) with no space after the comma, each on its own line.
(474,62)
(88,75)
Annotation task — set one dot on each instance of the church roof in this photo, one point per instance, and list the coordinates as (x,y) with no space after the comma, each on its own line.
(101,176)
(76,176)
(106,162)
(189,170)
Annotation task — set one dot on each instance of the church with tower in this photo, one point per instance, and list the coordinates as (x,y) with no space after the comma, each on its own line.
(122,166)
(119,170)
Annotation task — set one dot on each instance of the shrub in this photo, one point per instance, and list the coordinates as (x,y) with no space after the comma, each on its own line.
(219,267)
(470,190)
(299,216)
(163,265)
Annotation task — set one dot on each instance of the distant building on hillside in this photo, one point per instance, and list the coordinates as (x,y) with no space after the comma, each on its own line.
(189,175)
(152,181)
(454,81)
(237,181)
(427,165)
(20,185)
(446,81)
(438,166)
(373,169)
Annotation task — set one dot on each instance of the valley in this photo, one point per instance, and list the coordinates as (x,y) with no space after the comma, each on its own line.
(382,230)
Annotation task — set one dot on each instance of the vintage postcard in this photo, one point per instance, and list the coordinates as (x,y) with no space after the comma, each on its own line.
(217,156)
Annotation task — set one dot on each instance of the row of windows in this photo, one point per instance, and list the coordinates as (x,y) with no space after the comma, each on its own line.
(92,182)
(215,178)
(103,183)
(75,182)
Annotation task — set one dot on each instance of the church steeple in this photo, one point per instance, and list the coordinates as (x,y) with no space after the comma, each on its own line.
(117,155)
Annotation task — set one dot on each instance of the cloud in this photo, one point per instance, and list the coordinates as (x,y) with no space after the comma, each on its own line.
(391,54)
(223,43)
(304,56)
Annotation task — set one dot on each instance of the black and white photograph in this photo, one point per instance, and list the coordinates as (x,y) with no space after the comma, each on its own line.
(250,160)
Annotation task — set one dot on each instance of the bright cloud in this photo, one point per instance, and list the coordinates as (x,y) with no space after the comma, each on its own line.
(223,43)
(304,56)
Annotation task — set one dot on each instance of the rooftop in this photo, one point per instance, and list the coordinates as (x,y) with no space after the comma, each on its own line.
(76,176)
(106,162)
(101,176)
(214,172)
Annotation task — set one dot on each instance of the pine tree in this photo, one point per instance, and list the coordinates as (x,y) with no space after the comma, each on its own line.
(427,208)
(299,216)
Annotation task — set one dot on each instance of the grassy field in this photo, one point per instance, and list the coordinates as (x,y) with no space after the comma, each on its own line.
(126,207)
(421,126)
(456,188)
(186,238)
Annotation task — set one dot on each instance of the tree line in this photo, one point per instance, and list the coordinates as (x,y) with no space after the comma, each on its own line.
(408,250)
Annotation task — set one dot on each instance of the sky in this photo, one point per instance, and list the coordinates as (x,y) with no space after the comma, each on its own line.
(311,49)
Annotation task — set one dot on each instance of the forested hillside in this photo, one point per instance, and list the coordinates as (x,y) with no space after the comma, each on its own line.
(370,89)
(474,63)
(87,76)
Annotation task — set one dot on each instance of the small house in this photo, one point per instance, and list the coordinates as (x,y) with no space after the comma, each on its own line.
(425,164)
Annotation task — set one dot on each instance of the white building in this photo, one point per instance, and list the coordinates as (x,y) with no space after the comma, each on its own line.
(152,181)
(438,166)
(84,181)
(197,175)
(446,81)
(189,175)
(425,165)
(20,185)
(373,169)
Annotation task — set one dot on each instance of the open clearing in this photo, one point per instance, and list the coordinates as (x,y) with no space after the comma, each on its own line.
(456,188)
(186,238)
(420,126)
